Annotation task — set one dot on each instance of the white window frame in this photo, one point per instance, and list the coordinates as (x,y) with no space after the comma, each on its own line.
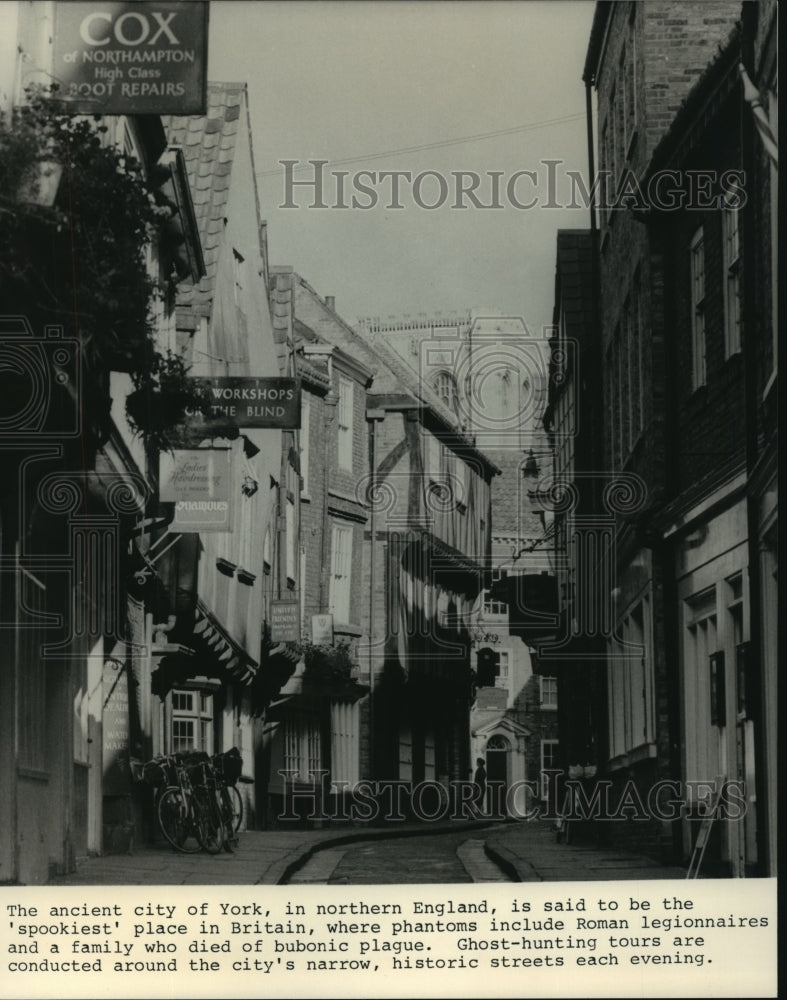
(341,571)
(302,747)
(492,607)
(698,332)
(553,745)
(548,693)
(344,424)
(444,385)
(504,673)
(732,266)
(198,712)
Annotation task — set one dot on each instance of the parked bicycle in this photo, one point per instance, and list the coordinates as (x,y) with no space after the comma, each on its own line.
(206,799)
(227,769)
(197,803)
(175,809)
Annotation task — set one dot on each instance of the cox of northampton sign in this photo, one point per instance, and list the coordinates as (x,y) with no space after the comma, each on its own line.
(253,402)
(132,58)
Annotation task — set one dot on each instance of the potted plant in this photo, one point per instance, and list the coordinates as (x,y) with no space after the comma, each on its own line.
(328,667)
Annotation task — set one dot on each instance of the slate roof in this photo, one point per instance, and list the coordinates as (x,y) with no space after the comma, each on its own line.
(208,143)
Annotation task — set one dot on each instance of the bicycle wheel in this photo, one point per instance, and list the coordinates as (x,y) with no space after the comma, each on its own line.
(228,816)
(237,807)
(210,825)
(175,817)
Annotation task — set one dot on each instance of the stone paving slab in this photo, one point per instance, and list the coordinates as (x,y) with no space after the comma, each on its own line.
(529,852)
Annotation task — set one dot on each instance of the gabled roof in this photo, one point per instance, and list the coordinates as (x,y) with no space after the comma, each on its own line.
(209,144)
(501,722)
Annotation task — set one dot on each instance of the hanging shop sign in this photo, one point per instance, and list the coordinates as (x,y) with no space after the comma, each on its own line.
(253,402)
(198,481)
(115,729)
(136,57)
(285,621)
(322,630)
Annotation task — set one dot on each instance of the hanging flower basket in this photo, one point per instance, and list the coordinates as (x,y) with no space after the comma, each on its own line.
(75,254)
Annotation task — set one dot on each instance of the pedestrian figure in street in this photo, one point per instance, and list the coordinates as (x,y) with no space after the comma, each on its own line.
(479,779)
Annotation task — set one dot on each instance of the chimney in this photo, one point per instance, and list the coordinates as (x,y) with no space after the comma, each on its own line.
(330,301)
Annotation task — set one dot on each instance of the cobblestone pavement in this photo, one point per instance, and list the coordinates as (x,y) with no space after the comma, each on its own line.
(449,857)
(411,853)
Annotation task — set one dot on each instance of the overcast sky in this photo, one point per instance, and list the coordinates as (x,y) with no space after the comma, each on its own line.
(345,81)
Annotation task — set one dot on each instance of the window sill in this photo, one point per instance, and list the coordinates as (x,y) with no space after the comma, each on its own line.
(244,576)
(32,774)
(225,566)
(346,628)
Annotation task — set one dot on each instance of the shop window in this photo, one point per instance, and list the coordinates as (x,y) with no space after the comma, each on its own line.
(302,747)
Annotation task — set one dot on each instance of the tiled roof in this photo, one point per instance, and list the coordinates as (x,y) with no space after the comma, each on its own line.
(208,143)
(574,281)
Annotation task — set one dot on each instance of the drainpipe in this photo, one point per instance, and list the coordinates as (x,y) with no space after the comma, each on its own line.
(751,414)
(594,440)
(372,416)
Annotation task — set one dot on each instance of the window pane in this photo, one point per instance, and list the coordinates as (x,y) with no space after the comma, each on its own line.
(182,735)
(345,424)
(182,701)
(341,564)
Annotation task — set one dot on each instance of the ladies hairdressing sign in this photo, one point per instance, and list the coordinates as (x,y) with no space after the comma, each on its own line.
(132,58)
